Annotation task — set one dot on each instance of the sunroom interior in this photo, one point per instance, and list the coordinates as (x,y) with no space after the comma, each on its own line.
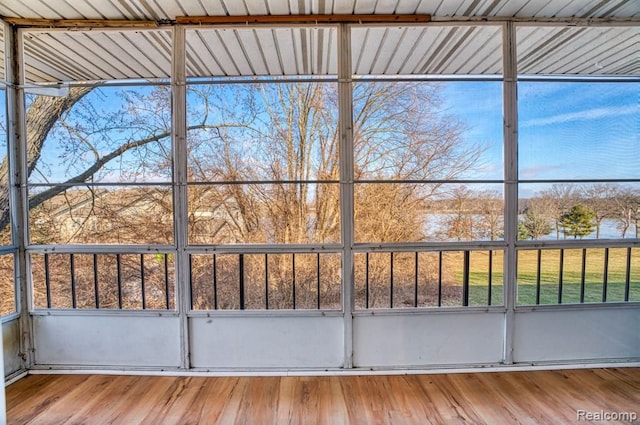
(319,187)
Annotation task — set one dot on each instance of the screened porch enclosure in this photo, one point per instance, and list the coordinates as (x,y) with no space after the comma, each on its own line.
(388,191)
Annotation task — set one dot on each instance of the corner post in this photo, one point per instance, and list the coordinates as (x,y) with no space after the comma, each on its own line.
(510,101)
(345,117)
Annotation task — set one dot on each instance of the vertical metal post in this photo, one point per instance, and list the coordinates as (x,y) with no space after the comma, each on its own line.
(318,276)
(191,300)
(440,279)
(465,278)
(266,281)
(366,280)
(510,135)
(241,280)
(72,270)
(96,287)
(143,290)
(15,113)
(561,276)
(119,279)
(490,279)
(538,276)
(215,282)
(583,273)
(627,279)
(166,281)
(415,288)
(47,279)
(293,279)
(605,281)
(345,118)
(18,198)
(179,145)
(391,279)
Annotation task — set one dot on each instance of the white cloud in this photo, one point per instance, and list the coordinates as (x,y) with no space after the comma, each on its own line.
(588,114)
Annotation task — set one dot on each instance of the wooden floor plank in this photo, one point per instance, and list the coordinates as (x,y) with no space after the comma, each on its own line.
(482,398)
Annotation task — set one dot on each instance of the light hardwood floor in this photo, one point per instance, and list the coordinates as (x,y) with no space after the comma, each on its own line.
(541,397)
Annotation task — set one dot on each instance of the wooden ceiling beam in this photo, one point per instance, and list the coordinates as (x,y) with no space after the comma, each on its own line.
(301,19)
(79,23)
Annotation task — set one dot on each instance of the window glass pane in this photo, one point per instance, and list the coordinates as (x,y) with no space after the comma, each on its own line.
(118,141)
(102,215)
(263,132)
(579,211)
(5,219)
(428,130)
(104,134)
(404,212)
(279,138)
(264,213)
(7,285)
(578,130)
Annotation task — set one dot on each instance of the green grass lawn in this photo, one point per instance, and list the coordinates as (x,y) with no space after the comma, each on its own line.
(572,276)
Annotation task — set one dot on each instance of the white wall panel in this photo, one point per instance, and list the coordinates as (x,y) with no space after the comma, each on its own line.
(267,342)
(107,340)
(574,335)
(413,340)
(11,346)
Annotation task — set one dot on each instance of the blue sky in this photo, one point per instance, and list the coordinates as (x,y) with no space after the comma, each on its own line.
(579,130)
(566,130)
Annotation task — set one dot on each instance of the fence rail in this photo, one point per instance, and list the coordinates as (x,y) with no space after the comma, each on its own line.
(300,280)
(266,281)
(413,279)
(562,275)
(121,281)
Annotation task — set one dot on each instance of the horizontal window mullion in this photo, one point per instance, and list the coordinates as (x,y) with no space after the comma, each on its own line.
(101,184)
(263,249)
(257,182)
(443,181)
(101,249)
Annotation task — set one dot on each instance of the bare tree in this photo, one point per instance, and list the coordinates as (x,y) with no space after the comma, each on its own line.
(560,198)
(491,213)
(537,218)
(284,137)
(598,198)
(43,114)
(626,205)
(264,165)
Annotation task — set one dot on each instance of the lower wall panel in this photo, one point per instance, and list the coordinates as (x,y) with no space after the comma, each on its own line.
(575,335)
(415,340)
(11,347)
(267,342)
(105,340)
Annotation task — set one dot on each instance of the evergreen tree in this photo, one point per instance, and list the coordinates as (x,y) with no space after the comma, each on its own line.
(578,221)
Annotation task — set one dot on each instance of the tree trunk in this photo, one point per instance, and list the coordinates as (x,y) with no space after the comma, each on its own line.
(42,115)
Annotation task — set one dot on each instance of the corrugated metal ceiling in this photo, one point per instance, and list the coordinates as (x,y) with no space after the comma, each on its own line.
(441,49)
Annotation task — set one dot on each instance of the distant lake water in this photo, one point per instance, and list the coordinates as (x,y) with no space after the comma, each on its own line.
(608,230)
(434,227)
